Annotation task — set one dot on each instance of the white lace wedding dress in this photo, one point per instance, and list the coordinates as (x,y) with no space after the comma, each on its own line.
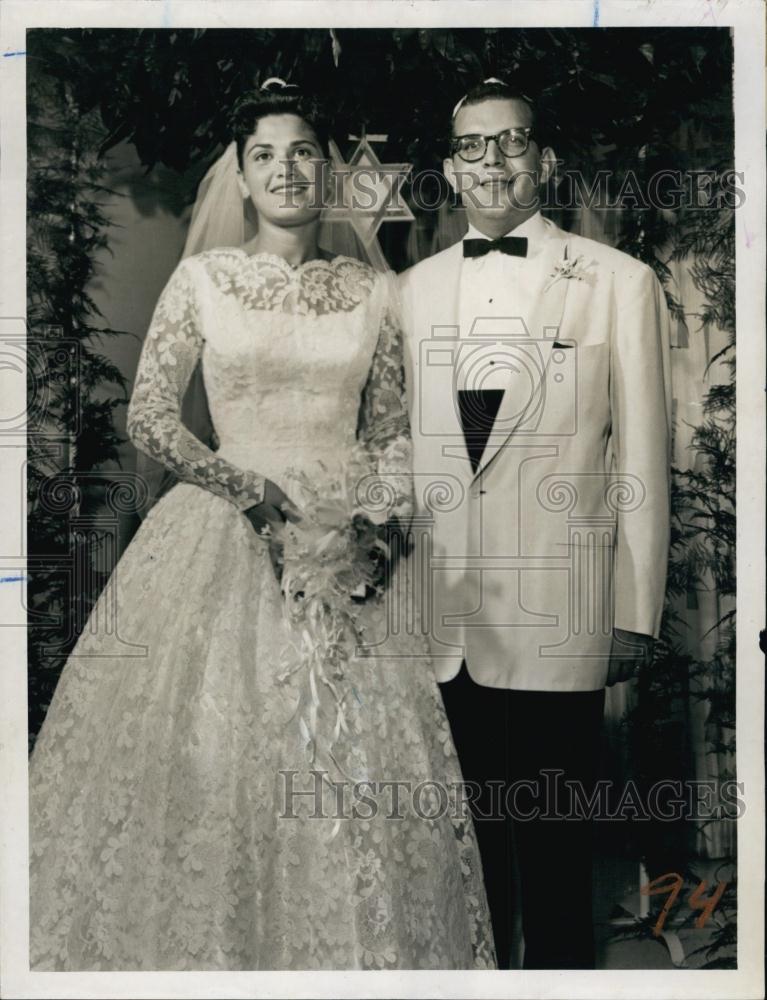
(163,832)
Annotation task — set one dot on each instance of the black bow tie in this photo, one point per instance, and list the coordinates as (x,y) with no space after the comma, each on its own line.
(516,246)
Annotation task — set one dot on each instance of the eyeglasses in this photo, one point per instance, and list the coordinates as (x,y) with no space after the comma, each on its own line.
(511,142)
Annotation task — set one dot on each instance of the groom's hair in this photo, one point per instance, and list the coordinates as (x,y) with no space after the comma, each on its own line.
(494,90)
(272,100)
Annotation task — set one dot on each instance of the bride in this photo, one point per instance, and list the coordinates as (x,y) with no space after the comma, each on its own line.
(178,820)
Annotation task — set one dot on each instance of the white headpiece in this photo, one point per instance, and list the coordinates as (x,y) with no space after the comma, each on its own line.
(278,80)
(490,79)
(218,217)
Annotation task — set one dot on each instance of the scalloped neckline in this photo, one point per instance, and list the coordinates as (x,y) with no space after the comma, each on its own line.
(295,268)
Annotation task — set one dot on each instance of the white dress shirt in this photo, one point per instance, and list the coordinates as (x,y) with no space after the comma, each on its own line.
(498,285)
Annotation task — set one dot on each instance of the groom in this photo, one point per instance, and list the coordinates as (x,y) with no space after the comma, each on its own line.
(540,405)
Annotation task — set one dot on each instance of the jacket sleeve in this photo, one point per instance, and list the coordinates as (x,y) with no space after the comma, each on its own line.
(640,401)
(171,350)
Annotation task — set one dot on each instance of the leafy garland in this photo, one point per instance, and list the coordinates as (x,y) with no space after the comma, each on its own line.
(71,433)
(702,558)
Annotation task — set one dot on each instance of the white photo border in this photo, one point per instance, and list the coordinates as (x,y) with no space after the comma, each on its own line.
(746,18)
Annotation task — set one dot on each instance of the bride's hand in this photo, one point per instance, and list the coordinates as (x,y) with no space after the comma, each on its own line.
(275,508)
(267,517)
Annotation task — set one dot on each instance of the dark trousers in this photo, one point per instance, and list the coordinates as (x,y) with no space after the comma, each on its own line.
(504,739)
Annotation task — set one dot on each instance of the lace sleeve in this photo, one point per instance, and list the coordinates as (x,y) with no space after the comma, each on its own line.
(384,426)
(171,350)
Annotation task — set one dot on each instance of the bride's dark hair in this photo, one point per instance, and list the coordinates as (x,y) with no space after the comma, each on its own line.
(275,98)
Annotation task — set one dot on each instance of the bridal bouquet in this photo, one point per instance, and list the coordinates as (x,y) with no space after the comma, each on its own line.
(332,561)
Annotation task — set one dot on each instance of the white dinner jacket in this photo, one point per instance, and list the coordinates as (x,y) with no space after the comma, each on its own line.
(563,532)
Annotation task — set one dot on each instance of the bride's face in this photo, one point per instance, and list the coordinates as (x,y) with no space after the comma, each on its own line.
(282,170)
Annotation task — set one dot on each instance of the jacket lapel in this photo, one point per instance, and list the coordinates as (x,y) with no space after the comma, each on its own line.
(543,325)
(436,310)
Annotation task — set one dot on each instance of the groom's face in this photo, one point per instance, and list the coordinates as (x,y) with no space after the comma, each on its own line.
(496,186)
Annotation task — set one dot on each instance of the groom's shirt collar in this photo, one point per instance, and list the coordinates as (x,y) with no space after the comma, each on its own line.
(534,229)
(497,285)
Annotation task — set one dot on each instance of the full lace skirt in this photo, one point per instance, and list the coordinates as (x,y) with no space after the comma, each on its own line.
(168,831)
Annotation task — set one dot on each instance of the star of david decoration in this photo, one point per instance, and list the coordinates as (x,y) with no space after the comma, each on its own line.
(370,190)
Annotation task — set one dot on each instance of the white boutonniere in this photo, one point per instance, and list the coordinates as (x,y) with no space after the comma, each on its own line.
(567,268)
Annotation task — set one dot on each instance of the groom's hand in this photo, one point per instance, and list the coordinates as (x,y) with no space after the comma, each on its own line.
(629,652)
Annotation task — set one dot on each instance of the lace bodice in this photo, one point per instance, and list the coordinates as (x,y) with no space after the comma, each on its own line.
(298,363)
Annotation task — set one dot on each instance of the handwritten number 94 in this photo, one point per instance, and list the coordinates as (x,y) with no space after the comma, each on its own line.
(672,884)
